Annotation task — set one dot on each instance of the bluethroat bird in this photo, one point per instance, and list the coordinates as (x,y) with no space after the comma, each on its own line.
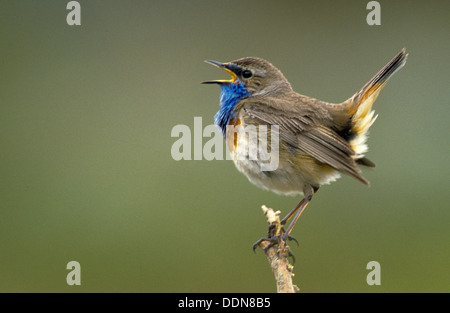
(317,141)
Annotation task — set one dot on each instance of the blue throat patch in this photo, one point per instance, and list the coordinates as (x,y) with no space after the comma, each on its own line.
(231,94)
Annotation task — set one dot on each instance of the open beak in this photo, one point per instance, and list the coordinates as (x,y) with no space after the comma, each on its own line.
(227,68)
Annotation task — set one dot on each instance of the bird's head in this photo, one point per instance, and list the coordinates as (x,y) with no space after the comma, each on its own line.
(255,75)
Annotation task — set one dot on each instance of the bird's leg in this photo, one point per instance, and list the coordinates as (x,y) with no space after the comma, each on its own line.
(289,215)
(276,232)
(297,211)
(300,208)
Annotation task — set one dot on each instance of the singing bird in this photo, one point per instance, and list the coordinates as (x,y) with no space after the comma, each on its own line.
(317,140)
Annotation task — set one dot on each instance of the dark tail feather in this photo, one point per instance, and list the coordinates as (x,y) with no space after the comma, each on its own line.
(377,82)
(360,105)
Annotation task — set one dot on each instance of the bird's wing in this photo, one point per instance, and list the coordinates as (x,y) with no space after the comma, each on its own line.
(300,128)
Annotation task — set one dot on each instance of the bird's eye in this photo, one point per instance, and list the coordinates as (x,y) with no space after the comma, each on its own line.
(247,74)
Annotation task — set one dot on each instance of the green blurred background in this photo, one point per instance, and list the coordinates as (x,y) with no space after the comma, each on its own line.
(86,114)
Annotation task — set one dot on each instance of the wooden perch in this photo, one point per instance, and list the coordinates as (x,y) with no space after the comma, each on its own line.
(277,254)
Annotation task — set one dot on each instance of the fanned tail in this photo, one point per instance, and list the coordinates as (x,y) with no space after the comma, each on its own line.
(360,106)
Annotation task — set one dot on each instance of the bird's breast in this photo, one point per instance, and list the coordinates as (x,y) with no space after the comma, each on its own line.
(244,141)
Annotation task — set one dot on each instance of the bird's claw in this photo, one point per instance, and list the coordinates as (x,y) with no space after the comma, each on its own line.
(275,240)
(272,241)
(293,239)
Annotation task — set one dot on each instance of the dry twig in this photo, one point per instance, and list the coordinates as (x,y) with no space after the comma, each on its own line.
(277,254)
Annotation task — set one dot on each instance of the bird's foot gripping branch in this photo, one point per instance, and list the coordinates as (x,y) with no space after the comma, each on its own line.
(277,252)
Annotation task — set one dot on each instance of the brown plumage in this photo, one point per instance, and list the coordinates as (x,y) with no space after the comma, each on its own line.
(317,140)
